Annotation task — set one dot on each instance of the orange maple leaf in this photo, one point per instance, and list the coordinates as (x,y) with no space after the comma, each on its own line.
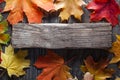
(53,66)
(31,10)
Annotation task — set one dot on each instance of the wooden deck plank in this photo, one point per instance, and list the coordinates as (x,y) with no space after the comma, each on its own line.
(56,35)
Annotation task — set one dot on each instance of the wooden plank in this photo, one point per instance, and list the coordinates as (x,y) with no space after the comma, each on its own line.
(56,35)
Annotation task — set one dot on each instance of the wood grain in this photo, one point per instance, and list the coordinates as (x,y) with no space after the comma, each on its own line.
(56,35)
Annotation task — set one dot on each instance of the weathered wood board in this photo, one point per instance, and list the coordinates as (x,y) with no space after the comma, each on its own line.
(56,35)
(67,54)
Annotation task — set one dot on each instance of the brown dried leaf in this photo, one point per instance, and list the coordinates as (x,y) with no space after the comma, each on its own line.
(98,69)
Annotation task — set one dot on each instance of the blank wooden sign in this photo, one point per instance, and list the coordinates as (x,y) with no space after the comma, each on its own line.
(58,35)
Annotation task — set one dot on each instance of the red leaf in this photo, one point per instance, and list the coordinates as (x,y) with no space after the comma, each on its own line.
(107,9)
(1,1)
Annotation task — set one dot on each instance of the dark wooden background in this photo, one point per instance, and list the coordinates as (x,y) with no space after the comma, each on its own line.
(80,54)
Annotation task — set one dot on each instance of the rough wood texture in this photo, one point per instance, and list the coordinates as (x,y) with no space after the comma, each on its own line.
(55,35)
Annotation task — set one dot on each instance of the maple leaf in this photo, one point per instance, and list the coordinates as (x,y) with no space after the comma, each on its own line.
(4,38)
(116,50)
(44,4)
(97,69)
(1,1)
(17,7)
(53,67)
(107,9)
(14,63)
(69,7)
(117,78)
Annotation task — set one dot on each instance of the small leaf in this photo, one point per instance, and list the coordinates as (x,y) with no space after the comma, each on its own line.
(98,69)
(69,7)
(14,63)
(107,9)
(53,66)
(116,50)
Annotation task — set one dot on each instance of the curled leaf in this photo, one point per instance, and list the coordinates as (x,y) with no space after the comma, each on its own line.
(53,67)
(14,63)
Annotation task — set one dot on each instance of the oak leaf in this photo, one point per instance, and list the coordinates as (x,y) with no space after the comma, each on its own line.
(17,9)
(53,66)
(97,69)
(104,9)
(69,7)
(4,37)
(14,63)
(116,50)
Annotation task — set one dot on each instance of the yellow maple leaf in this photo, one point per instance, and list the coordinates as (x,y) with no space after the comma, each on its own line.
(14,63)
(116,50)
(69,7)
